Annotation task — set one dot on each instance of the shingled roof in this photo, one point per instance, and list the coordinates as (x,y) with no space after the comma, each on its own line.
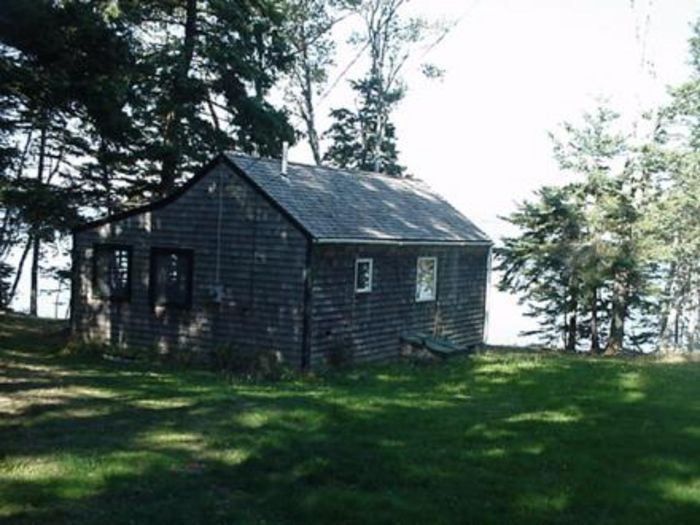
(342,205)
(335,205)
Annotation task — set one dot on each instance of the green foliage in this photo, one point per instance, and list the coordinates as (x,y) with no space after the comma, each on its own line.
(105,104)
(364,137)
(46,209)
(206,91)
(542,263)
(250,362)
(601,261)
(636,261)
(354,135)
(340,354)
(61,84)
(676,212)
(578,260)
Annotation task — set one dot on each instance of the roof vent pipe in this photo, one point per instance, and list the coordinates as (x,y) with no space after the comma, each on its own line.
(285,153)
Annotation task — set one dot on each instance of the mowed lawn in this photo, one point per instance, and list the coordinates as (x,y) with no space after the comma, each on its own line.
(495,438)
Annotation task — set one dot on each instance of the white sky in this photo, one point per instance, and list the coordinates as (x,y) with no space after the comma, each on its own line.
(514,70)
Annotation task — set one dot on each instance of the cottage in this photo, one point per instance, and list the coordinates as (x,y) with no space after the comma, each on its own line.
(303,260)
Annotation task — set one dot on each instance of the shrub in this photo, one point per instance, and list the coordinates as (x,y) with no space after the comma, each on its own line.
(85,348)
(252,363)
(340,354)
(98,349)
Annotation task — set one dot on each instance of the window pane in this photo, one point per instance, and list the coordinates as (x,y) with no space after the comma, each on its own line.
(172,277)
(425,278)
(112,272)
(119,271)
(363,275)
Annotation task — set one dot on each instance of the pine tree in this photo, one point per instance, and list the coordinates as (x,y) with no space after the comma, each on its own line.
(353,135)
(364,137)
(105,104)
(541,263)
(203,73)
(583,252)
(56,62)
(677,214)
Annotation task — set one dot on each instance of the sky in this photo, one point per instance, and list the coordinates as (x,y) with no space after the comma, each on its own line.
(514,70)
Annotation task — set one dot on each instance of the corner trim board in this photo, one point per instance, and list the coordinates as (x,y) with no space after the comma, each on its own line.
(306,316)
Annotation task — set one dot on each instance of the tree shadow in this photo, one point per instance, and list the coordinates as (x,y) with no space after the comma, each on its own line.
(489,439)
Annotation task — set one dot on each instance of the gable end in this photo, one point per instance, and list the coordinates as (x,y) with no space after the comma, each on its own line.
(179,192)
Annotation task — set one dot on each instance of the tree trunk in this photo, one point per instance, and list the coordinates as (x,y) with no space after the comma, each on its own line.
(36,243)
(667,302)
(20,269)
(105,172)
(34,291)
(571,333)
(308,110)
(174,112)
(212,112)
(572,322)
(619,313)
(595,337)
(310,119)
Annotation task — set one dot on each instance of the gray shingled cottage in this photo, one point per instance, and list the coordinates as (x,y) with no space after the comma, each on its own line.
(300,259)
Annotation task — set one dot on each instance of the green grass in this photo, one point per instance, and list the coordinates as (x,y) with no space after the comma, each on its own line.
(496,438)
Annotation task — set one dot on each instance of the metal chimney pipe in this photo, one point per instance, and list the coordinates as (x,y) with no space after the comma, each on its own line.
(285,153)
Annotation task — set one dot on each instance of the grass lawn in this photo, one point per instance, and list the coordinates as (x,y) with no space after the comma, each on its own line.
(495,438)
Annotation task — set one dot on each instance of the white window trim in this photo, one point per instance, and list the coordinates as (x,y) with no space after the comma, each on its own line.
(435,279)
(359,261)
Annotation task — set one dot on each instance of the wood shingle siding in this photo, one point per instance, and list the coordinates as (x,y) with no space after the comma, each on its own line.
(370,325)
(262,259)
(273,266)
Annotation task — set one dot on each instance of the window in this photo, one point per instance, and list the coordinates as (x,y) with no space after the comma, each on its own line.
(426,279)
(111,278)
(171,277)
(363,275)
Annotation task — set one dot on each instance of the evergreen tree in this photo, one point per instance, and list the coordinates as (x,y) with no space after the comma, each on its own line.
(353,134)
(203,73)
(597,261)
(677,214)
(103,104)
(596,153)
(364,137)
(541,263)
(57,64)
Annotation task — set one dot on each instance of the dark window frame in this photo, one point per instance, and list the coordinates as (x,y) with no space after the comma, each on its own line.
(157,251)
(111,247)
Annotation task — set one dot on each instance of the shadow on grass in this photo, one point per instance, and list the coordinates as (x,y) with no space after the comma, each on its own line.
(490,439)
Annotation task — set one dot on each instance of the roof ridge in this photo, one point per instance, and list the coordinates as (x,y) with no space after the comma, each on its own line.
(348,171)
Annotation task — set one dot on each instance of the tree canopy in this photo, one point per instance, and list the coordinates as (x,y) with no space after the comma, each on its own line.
(612,260)
(105,104)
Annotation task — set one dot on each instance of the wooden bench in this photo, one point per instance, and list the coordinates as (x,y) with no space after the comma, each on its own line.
(439,346)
